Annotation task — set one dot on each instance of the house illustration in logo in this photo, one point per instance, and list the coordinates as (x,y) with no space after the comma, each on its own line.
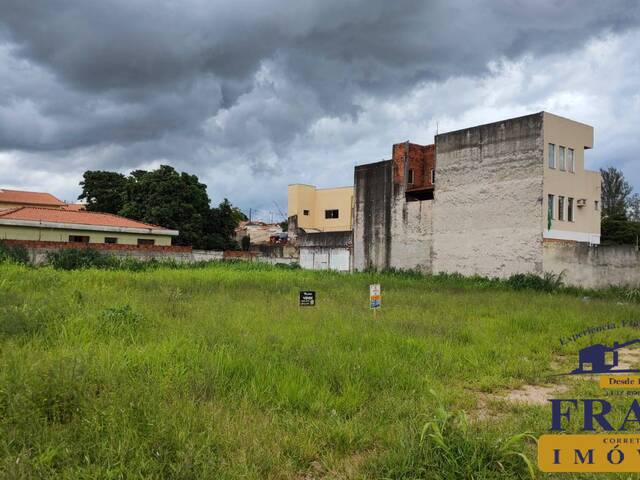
(599,358)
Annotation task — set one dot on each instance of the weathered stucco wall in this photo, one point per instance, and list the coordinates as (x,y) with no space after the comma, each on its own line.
(410,232)
(593,266)
(372,210)
(487,213)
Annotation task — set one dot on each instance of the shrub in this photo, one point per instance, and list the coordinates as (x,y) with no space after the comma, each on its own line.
(548,283)
(13,253)
(76,258)
(246,243)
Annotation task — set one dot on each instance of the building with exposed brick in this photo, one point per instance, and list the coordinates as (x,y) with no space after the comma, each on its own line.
(483,200)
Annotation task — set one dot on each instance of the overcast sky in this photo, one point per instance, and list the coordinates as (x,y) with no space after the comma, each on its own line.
(253,95)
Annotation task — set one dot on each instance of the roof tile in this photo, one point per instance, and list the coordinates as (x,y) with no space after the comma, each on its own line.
(81,217)
(29,198)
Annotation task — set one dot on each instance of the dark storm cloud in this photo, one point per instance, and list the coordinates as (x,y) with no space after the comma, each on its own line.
(201,80)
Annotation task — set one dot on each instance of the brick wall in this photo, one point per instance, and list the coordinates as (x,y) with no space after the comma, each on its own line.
(420,159)
(97,246)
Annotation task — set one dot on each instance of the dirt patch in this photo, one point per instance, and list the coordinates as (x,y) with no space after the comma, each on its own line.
(628,358)
(528,395)
(535,394)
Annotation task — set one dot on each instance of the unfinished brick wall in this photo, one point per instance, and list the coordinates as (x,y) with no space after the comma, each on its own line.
(420,160)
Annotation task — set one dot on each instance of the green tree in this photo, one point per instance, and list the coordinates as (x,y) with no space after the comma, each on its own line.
(171,199)
(615,193)
(103,191)
(165,197)
(220,226)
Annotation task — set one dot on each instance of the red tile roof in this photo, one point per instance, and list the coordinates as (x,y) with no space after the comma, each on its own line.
(29,198)
(74,206)
(80,217)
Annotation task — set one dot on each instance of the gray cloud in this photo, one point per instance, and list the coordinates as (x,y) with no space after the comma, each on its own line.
(217,87)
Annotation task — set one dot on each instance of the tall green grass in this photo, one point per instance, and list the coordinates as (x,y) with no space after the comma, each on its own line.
(216,372)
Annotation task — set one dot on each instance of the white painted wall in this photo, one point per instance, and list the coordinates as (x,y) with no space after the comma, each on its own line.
(318,258)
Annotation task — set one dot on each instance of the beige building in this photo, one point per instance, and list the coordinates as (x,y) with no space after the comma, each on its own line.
(321,209)
(571,193)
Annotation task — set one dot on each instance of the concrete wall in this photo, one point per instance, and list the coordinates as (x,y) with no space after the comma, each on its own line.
(372,215)
(593,266)
(487,212)
(410,234)
(12,232)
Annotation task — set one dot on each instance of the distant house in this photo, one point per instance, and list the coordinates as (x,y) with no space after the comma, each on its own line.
(58,225)
(258,232)
(18,198)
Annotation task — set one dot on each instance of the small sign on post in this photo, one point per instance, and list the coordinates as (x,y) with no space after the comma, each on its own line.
(307,298)
(375,299)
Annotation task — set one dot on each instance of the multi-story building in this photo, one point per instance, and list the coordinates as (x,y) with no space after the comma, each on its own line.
(320,209)
(320,223)
(481,200)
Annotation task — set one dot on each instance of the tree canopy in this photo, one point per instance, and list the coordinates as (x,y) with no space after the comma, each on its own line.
(164,197)
(620,209)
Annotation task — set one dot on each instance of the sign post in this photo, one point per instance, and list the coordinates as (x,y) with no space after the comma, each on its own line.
(307,298)
(375,298)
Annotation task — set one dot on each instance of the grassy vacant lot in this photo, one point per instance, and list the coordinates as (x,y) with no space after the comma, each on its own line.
(216,373)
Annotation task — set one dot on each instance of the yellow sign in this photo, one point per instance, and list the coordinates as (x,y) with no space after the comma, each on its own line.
(589,453)
(620,381)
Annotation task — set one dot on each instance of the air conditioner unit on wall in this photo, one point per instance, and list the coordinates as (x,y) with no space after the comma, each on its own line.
(582,202)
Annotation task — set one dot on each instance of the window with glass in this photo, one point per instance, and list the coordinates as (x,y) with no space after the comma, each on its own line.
(571,160)
(561,208)
(562,152)
(551,205)
(570,209)
(79,238)
(331,214)
(410,177)
(552,155)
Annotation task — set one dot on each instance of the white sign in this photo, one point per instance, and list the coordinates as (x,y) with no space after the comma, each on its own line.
(375,298)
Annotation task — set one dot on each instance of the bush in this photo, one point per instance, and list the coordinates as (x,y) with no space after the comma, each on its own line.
(76,258)
(528,281)
(246,243)
(13,253)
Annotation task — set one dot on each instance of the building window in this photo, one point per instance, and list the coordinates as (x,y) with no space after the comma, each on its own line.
(551,202)
(597,204)
(110,240)
(79,238)
(562,158)
(410,177)
(570,209)
(433,176)
(331,214)
(146,241)
(305,212)
(561,208)
(552,155)
(571,165)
